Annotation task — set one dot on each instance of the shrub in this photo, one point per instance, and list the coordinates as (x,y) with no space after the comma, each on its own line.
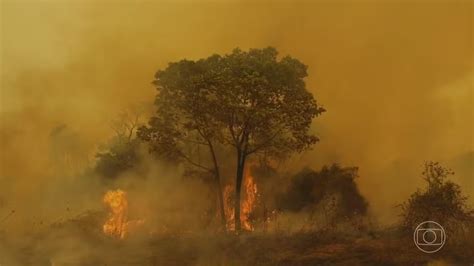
(441,201)
(333,185)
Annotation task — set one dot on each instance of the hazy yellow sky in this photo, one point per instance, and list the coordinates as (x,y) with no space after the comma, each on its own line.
(395,76)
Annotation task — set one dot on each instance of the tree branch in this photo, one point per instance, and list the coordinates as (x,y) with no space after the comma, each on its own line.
(192,162)
(264,143)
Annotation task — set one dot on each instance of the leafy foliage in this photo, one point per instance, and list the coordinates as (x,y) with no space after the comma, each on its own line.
(121,153)
(440,201)
(121,156)
(309,188)
(249,100)
(264,104)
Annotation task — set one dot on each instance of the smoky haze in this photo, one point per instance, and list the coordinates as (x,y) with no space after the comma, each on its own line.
(395,77)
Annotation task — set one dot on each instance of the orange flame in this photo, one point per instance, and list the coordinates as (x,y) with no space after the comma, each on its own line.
(248,204)
(116,224)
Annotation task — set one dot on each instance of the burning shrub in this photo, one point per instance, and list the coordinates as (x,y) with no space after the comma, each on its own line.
(332,187)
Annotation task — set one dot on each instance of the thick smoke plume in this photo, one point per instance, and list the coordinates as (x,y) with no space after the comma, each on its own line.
(395,77)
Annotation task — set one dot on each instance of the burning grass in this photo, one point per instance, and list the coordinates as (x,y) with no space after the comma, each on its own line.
(118,235)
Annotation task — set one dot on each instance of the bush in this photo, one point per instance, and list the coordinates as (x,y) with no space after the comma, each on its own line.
(441,201)
(121,156)
(332,185)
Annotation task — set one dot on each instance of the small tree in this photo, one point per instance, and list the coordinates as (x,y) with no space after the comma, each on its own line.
(440,201)
(250,102)
(121,152)
(264,107)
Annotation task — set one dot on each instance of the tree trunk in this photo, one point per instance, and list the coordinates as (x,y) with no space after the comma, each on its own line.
(217,176)
(238,183)
(221,201)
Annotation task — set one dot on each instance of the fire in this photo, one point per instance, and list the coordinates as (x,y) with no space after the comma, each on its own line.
(116,224)
(248,204)
(250,201)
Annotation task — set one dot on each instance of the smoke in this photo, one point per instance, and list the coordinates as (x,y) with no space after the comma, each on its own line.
(395,77)
(60,221)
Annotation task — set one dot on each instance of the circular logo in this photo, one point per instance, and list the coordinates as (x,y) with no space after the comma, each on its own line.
(429,236)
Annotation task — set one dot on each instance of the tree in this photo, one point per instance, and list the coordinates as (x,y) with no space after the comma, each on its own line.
(121,152)
(127,122)
(441,201)
(181,124)
(250,102)
(263,104)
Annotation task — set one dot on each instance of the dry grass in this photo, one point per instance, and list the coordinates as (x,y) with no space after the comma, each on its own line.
(59,248)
